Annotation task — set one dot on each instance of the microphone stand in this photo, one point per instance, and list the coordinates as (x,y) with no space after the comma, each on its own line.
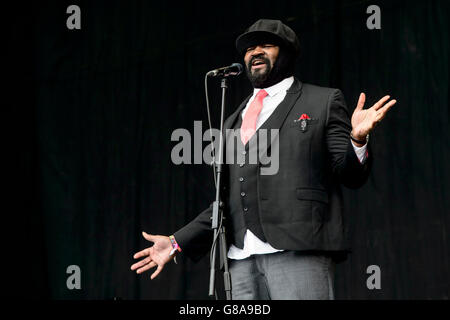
(217,213)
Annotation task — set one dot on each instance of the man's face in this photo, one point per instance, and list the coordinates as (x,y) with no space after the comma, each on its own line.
(259,61)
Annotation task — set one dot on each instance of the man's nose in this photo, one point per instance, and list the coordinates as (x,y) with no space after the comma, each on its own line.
(257,51)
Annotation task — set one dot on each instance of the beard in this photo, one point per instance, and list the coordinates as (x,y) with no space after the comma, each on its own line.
(269,75)
(258,76)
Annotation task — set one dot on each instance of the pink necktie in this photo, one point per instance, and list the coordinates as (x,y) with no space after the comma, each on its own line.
(248,127)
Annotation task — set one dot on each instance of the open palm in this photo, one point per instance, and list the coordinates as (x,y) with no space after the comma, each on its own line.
(156,255)
(363,121)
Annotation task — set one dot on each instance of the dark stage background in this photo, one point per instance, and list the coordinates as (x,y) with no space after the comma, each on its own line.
(89,117)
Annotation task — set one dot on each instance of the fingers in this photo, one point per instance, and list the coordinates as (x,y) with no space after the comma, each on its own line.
(361,101)
(141,263)
(146,263)
(385,108)
(382,112)
(148,237)
(380,103)
(142,253)
(158,270)
(146,267)
(145,252)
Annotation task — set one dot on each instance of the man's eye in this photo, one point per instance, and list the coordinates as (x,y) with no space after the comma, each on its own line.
(250,49)
(268,45)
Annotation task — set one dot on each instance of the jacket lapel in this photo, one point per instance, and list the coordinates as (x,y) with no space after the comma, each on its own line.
(275,121)
(232,119)
(277,118)
(229,123)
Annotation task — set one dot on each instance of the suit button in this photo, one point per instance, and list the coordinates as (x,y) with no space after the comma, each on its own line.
(241,165)
(245,209)
(241,179)
(243,194)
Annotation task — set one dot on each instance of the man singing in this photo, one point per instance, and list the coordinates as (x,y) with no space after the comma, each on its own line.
(286,231)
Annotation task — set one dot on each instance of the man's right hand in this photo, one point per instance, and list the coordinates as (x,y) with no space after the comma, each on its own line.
(156,255)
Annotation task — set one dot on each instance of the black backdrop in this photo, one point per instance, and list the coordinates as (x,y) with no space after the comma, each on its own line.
(90,112)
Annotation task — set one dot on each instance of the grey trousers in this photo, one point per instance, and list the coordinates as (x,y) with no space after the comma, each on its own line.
(286,275)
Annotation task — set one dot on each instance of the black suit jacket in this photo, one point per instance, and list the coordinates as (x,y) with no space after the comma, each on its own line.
(300,207)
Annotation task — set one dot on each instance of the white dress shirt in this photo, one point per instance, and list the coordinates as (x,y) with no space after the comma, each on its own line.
(276,94)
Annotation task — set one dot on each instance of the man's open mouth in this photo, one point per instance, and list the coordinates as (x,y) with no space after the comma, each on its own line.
(258,63)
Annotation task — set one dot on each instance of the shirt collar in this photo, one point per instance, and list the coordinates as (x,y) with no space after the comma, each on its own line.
(283,85)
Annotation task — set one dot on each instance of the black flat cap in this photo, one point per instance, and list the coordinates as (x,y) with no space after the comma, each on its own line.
(268,31)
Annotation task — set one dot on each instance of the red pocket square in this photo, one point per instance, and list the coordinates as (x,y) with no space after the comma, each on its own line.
(304,116)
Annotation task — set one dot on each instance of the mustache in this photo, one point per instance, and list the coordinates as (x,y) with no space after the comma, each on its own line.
(264,59)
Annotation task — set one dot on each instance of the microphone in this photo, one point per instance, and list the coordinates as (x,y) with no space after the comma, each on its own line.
(234,70)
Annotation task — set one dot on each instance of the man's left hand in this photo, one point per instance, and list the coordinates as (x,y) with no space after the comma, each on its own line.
(363,121)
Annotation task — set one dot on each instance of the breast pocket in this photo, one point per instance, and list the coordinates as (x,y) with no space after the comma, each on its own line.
(304,125)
